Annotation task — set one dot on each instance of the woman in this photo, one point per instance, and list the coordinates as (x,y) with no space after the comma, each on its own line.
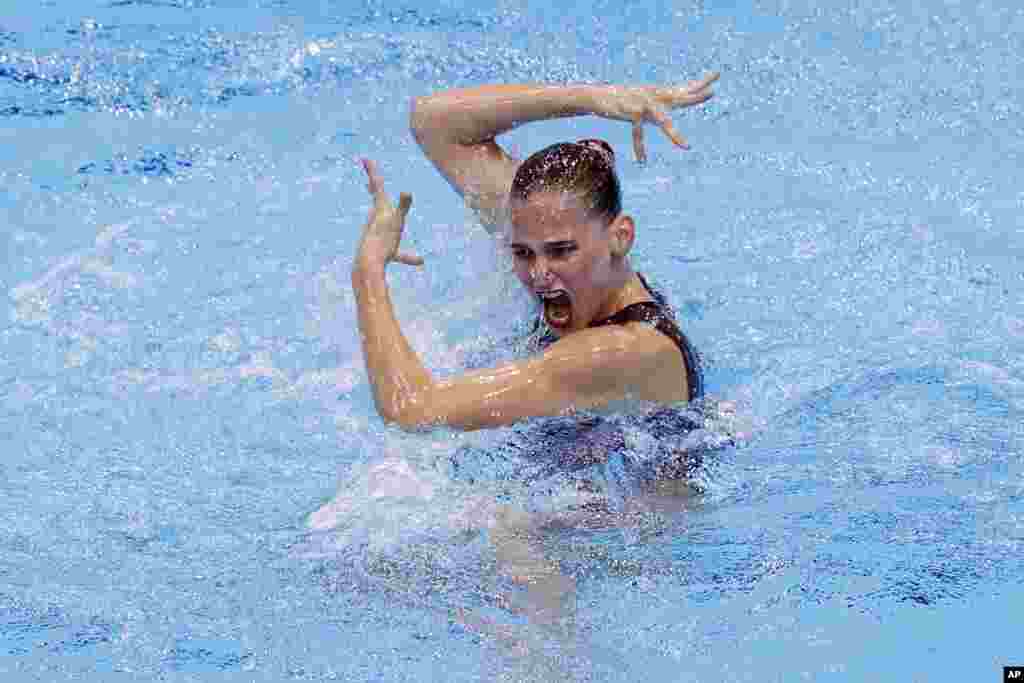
(607,337)
(610,337)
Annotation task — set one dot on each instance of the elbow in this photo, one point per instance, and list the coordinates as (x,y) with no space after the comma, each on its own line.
(427,120)
(406,423)
(409,416)
(418,124)
(422,413)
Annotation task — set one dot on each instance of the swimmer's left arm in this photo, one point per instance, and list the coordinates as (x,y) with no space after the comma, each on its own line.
(588,369)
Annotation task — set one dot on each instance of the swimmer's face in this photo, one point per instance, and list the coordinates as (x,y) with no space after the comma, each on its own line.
(568,258)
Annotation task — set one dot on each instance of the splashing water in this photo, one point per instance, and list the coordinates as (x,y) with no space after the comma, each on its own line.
(196,483)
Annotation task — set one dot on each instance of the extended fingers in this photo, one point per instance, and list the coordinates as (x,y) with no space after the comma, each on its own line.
(661,119)
(638,142)
(408,259)
(684,96)
(373,180)
(706,81)
(694,92)
(665,123)
(702,87)
(375,185)
(404,203)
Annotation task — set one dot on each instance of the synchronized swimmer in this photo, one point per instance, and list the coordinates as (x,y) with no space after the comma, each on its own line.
(608,336)
(605,336)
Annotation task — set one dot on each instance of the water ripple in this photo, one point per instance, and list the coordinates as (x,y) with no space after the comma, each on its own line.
(150,163)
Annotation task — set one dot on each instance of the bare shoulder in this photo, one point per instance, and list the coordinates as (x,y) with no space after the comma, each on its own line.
(634,358)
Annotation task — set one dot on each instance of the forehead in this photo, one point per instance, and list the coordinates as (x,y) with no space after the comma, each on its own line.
(547,216)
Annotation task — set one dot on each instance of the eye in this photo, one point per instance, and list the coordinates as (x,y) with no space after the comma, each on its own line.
(520,252)
(562,250)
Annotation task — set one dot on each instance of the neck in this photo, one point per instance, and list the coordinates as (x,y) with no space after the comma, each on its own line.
(625,290)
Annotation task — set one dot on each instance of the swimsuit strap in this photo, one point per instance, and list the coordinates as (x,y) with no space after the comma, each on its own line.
(658,314)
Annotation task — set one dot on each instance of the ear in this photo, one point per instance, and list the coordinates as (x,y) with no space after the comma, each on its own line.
(623,232)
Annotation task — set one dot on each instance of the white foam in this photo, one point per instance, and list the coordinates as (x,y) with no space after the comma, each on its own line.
(114,278)
(34,299)
(381,502)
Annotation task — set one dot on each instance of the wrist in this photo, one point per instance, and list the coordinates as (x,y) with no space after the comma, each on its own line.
(587,98)
(547,101)
(364,269)
(572,100)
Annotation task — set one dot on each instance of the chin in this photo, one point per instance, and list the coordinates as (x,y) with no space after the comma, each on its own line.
(561,331)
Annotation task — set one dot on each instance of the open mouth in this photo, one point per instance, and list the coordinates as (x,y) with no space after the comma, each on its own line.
(557,307)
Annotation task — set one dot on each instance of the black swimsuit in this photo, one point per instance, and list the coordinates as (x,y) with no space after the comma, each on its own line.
(555,446)
(587,447)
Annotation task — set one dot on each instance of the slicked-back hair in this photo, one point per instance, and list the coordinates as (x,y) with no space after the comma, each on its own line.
(585,168)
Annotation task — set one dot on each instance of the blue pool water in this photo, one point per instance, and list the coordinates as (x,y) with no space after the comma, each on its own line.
(181,384)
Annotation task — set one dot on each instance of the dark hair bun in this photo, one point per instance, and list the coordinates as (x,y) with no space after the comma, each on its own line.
(601,146)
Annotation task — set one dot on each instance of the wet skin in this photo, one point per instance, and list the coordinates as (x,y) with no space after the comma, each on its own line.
(558,246)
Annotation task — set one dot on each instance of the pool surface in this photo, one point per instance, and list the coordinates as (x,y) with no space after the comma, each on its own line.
(181,384)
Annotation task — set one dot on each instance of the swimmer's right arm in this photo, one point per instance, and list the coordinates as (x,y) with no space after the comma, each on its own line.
(457,128)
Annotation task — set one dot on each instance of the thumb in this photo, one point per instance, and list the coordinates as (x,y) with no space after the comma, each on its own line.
(638,142)
(404,203)
(662,119)
(408,259)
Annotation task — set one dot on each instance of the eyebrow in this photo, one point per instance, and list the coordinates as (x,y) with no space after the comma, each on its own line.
(554,244)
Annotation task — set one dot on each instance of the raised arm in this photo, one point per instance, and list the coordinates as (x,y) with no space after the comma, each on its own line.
(457,128)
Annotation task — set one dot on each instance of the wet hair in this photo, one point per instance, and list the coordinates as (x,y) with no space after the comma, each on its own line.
(585,168)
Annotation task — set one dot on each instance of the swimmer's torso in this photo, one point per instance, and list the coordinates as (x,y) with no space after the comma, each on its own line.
(648,444)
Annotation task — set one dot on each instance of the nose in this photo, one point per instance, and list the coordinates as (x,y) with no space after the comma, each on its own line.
(539,271)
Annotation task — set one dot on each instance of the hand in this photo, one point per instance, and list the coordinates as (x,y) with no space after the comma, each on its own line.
(383,231)
(647,104)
